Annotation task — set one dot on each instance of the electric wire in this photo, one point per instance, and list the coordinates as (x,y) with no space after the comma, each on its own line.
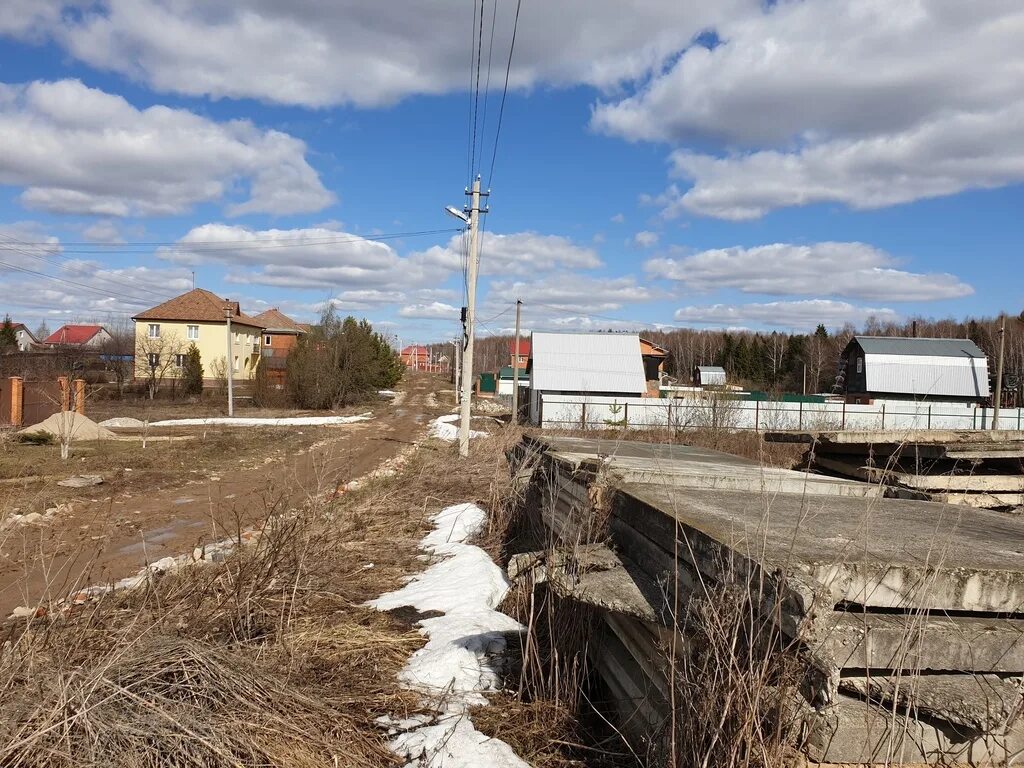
(504,93)
(476,97)
(84,286)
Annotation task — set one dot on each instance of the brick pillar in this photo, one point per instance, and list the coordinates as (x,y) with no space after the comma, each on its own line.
(65,393)
(79,387)
(17,401)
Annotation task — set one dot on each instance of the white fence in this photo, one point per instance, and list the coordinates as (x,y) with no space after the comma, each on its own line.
(576,412)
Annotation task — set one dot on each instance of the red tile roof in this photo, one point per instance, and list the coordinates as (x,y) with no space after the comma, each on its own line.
(274,320)
(200,306)
(524,347)
(73,334)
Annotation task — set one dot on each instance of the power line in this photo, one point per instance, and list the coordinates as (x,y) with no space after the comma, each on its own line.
(487,83)
(476,97)
(84,286)
(504,92)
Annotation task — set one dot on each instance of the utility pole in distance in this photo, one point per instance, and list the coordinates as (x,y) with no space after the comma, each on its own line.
(228,365)
(515,367)
(467,359)
(999,372)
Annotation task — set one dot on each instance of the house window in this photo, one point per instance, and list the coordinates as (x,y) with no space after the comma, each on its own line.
(236,362)
(154,359)
(860,365)
(179,360)
(154,330)
(266,339)
(193,332)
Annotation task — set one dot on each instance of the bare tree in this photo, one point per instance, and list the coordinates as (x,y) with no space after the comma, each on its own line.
(156,360)
(118,352)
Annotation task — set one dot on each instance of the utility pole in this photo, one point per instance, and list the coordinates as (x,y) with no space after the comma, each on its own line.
(515,367)
(467,360)
(999,372)
(229,364)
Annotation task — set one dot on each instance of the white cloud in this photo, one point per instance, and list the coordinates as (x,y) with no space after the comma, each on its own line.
(572,293)
(522,253)
(436,310)
(865,102)
(618,218)
(309,258)
(851,270)
(369,54)
(82,150)
(799,315)
(103,231)
(646,239)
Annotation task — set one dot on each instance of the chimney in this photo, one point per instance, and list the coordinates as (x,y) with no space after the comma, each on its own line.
(913,329)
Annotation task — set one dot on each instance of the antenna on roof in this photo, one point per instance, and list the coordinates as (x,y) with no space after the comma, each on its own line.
(193,279)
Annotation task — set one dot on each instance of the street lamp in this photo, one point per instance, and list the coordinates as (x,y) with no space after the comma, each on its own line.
(451,210)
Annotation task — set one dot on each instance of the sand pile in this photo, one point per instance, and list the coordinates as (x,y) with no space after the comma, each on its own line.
(74,424)
(123,422)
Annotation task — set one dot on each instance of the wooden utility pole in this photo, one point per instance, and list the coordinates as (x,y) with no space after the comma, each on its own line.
(229,364)
(467,360)
(999,372)
(515,367)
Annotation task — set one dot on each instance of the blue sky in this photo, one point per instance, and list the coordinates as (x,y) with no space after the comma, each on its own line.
(671,164)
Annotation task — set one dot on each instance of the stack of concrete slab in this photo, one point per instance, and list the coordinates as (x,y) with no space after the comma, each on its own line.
(906,617)
(977,468)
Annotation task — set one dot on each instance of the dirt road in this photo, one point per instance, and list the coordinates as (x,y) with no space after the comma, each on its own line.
(103,540)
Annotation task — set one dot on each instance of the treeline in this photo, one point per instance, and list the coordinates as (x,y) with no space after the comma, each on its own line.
(778,361)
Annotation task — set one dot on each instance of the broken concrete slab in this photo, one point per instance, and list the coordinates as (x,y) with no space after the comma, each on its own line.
(982,703)
(856,731)
(898,436)
(977,481)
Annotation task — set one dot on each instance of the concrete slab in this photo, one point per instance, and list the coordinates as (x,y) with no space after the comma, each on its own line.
(685,466)
(855,731)
(982,703)
(898,436)
(976,481)
(885,553)
(921,643)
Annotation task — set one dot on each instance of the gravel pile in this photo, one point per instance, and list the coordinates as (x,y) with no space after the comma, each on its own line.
(79,427)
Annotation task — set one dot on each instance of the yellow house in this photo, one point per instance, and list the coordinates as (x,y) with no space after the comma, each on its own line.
(164,334)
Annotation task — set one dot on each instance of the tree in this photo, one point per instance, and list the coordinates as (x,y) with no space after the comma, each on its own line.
(155,359)
(8,338)
(42,331)
(118,352)
(192,372)
(340,362)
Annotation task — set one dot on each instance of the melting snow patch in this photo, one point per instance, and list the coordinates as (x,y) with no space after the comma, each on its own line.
(446,428)
(464,649)
(288,421)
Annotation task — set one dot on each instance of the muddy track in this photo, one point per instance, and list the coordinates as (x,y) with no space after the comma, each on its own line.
(105,541)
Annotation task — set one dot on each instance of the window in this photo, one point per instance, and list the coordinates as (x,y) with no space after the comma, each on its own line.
(179,360)
(860,365)
(193,332)
(154,359)
(154,330)
(266,340)
(236,362)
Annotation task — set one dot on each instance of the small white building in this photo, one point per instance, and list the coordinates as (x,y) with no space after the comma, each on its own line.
(24,338)
(584,364)
(709,376)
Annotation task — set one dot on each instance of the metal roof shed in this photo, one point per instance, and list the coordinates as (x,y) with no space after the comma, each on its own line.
(588,363)
(709,376)
(921,368)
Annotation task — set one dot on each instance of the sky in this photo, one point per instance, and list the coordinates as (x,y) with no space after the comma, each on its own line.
(666,163)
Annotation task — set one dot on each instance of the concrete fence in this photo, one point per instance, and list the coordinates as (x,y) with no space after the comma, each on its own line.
(576,412)
(29,402)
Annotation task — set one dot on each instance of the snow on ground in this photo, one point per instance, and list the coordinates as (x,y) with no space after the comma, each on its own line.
(446,428)
(464,649)
(288,421)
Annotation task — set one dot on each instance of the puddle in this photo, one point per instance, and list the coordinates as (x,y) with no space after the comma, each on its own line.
(158,536)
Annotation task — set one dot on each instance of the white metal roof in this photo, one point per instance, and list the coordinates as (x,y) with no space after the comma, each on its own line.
(927,375)
(925,347)
(587,362)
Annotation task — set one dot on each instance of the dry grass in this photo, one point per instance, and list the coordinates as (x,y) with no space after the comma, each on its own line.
(266,659)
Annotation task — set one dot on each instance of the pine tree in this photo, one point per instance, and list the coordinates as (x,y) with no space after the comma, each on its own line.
(192,372)
(8,338)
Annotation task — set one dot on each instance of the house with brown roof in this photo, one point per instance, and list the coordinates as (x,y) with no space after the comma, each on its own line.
(164,334)
(280,335)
